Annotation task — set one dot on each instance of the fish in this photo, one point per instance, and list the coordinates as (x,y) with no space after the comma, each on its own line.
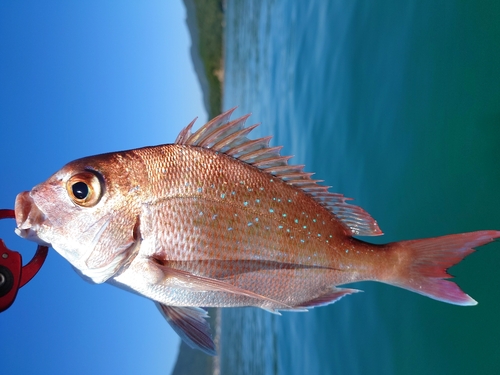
(217,219)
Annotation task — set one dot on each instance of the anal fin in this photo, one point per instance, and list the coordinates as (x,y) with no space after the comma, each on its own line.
(328,298)
(190,324)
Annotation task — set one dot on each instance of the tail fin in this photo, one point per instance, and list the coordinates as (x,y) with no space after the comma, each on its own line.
(429,260)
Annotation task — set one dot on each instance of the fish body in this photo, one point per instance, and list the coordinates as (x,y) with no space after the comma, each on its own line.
(219,220)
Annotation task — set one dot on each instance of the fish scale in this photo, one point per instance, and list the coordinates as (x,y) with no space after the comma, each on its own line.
(220,220)
(230,202)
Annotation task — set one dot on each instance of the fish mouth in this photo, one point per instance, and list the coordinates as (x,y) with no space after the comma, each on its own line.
(29,218)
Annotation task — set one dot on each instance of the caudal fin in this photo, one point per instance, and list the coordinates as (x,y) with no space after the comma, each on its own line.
(429,260)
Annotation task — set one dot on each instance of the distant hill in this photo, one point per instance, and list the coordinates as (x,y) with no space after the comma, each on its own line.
(205,21)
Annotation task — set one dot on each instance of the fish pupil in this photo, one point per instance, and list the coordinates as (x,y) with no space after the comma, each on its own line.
(80,190)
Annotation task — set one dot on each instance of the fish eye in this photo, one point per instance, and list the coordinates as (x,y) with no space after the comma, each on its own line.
(84,189)
(80,190)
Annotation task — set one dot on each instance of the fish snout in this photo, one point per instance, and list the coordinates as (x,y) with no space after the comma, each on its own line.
(28,217)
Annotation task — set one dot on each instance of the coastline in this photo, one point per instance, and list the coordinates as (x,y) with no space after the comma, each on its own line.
(205,22)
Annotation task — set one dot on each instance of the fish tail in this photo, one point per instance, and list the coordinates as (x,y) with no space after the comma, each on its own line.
(426,262)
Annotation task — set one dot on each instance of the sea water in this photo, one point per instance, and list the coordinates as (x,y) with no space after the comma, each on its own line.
(395,104)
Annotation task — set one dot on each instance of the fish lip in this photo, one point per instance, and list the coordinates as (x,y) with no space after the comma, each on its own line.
(29,218)
(22,209)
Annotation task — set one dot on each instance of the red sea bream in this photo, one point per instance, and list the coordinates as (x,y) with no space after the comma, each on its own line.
(219,220)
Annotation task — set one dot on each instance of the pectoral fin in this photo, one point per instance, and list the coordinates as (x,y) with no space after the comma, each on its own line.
(190,324)
(203,283)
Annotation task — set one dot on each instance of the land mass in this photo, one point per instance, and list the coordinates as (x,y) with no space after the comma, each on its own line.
(205,22)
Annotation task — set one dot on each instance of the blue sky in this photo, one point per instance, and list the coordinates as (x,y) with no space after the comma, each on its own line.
(76,79)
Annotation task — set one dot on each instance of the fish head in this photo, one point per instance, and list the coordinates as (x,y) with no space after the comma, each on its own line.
(86,211)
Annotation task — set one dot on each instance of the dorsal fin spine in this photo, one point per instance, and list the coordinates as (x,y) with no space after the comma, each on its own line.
(272,161)
(234,139)
(214,123)
(185,133)
(257,155)
(250,145)
(219,132)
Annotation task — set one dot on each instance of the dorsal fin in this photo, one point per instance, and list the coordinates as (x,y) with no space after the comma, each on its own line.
(230,137)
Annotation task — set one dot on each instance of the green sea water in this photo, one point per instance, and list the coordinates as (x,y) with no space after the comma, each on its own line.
(395,104)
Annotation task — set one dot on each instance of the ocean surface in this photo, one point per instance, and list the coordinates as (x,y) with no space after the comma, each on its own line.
(397,105)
